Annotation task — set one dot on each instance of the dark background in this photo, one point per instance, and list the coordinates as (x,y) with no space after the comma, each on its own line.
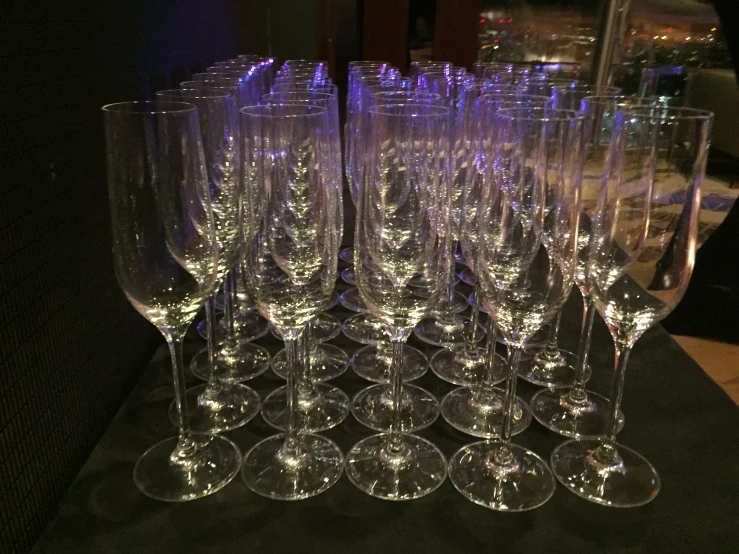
(71,345)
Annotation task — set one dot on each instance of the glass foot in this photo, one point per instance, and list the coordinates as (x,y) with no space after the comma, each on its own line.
(325,327)
(617,477)
(468,277)
(451,333)
(471,301)
(555,410)
(326,362)
(364,328)
(249,325)
(459,304)
(548,371)
(324,407)
(333,301)
(481,415)
(419,280)
(499,476)
(352,301)
(311,467)
(466,368)
(224,409)
(214,462)
(348,276)
(346,255)
(373,363)
(408,467)
(373,408)
(459,258)
(243,363)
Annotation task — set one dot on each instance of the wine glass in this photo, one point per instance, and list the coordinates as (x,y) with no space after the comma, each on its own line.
(477,407)
(165,253)
(573,411)
(402,228)
(326,361)
(570,96)
(221,404)
(529,224)
(374,361)
(291,218)
(444,327)
(640,262)
(237,360)
(550,365)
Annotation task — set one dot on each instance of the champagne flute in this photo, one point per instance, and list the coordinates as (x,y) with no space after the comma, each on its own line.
(374,361)
(528,228)
(221,404)
(573,411)
(326,361)
(291,219)
(550,365)
(165,253)
(477,407)
(640,262)
(402,228)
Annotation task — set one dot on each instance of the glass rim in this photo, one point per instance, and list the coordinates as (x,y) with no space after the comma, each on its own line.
(387,110)
(431,63)
(606,99)
(312,111)
(226,74)
(304,63)
(364,63)
(125,107)
(216,76)
(668,112)
(581,86)
(306,92)
(289,87)
(169,91)
(488,98)
(549,114)
(410,93)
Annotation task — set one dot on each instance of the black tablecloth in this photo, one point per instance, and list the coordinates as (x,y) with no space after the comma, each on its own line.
(676,416)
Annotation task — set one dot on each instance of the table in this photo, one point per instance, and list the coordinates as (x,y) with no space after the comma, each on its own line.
(675,415)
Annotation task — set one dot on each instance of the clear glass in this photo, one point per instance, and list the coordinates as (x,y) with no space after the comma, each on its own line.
(571,410)
(458,92)
(531,202)
(640,262)
(165,254)
(321,406)
(464,365)
(402,227)
(223,404)
(477,408)
(291,219)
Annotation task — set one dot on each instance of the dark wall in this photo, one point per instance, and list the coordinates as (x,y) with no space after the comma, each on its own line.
(71,346)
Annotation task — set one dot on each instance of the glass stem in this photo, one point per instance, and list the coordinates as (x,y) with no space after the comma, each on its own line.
(551,350)
(470,341)
(606,451)
(229,308)
(292,351)
(578,393)
(514,357)
(486,386)
(305,377)
(185,445)
(504,455)
(211,324)
(449,291)
(394,441)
